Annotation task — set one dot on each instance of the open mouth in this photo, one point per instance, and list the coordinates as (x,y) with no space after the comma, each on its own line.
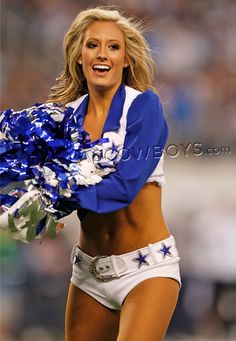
(101,68)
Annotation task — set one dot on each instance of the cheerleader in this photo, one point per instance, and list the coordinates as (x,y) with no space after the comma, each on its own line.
(125,266)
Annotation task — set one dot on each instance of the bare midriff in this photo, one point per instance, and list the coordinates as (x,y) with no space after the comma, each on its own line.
(127,229)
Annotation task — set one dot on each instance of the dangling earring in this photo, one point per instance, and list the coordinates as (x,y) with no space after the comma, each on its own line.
(80,62)
(125,65)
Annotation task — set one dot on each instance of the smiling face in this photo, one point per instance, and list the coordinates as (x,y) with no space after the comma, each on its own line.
(103,55)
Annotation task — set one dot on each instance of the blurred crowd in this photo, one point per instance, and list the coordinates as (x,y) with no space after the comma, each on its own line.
(191,41)
(193,46)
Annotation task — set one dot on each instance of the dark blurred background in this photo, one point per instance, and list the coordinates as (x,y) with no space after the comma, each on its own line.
(193,44)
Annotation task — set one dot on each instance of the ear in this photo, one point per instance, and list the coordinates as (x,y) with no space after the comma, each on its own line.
(126,62)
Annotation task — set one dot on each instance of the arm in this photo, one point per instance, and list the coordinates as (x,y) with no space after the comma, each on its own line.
(146,132)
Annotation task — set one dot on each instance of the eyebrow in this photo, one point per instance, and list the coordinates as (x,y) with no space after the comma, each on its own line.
(108,40)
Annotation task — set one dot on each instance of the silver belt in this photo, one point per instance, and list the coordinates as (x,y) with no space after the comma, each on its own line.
(107,268)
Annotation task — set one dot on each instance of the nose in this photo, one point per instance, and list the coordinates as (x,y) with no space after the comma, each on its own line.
(102,53)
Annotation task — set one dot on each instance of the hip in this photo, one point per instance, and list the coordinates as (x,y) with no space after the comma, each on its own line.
(110,278)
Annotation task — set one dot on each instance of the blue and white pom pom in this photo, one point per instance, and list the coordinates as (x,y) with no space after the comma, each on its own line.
(45,150)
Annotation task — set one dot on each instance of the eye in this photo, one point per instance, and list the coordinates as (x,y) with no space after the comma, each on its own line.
(114,47)
(91,45)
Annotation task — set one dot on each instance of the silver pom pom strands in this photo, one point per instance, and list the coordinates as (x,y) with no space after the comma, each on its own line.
(45,156)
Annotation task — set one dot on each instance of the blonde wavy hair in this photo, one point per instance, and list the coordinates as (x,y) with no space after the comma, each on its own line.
(139,74)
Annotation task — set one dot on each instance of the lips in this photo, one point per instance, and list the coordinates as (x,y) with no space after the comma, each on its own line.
(101,68)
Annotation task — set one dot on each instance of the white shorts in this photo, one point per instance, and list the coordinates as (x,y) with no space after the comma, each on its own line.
(109,279)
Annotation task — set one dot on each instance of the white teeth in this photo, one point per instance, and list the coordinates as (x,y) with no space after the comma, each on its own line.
(101,67)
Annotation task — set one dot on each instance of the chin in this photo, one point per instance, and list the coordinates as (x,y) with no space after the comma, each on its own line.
(103,85)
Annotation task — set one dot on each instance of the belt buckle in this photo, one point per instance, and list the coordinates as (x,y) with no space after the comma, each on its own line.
(99,277)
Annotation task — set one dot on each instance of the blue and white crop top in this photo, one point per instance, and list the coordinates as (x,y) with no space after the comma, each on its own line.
(136,122)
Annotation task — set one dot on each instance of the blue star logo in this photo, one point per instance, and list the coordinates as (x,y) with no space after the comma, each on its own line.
(113,152)
(114,148)
(141,259)
(77,260)
(165,250)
